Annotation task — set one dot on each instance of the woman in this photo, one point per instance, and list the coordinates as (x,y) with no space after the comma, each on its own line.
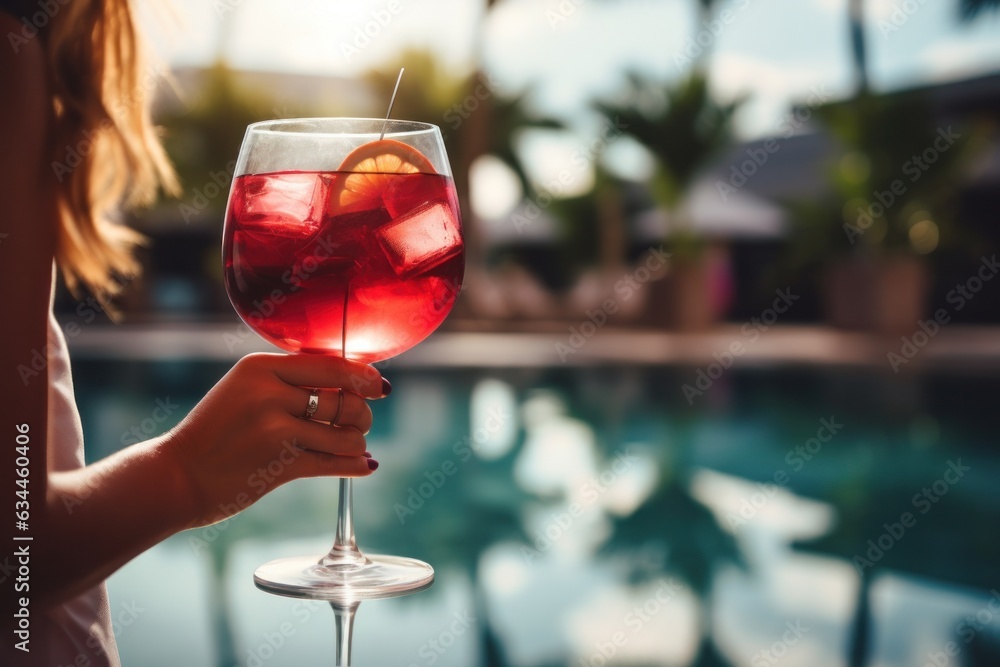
(76,141)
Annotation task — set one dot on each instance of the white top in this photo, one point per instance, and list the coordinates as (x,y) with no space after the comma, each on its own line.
(79,631)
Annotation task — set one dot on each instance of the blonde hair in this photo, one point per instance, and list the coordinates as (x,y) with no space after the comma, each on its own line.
(105,152)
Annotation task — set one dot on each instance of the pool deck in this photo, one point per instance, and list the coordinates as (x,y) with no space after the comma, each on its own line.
(554,344)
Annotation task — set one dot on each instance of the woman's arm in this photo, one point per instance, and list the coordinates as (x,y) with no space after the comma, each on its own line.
(27,246)
(243,440)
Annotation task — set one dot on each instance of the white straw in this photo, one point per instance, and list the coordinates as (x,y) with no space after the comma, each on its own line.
(391,101)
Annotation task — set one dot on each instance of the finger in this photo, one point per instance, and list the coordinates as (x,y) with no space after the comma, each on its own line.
(353,410)
(343,441)
(324,370)
(319,464)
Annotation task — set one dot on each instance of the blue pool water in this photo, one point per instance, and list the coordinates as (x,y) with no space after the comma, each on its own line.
(592,516)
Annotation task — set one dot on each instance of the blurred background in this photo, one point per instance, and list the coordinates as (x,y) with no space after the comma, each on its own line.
(719,387)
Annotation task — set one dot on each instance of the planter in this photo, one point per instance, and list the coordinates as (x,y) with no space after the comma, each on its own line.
(695,292)
(883,295)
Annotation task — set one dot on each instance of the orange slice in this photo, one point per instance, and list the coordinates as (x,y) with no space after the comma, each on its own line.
(370,170)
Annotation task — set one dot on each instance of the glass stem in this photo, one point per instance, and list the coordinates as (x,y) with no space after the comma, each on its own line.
(343,613)
(345,549)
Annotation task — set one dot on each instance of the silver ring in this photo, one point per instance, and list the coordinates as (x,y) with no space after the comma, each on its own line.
(340,407)
(313,405)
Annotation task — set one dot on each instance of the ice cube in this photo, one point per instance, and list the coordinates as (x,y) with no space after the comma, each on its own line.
(341,236)
(264,251)
(419,241)
(283,204)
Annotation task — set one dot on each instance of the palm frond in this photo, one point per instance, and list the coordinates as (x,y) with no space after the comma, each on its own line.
(680,124)
(970,10)
(509,116)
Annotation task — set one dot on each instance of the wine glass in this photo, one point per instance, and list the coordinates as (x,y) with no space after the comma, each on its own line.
(343,235)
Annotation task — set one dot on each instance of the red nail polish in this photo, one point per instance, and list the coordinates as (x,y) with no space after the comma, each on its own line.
(386,387)
(372,464)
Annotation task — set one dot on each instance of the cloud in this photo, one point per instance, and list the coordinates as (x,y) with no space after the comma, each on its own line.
(773,86)
(958,58)
(875,10)
(881,10)
(833,6)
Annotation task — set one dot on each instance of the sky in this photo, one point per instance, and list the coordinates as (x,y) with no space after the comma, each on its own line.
(569,52)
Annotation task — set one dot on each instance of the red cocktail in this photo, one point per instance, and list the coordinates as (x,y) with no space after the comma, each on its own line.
(341,241)
(300,263)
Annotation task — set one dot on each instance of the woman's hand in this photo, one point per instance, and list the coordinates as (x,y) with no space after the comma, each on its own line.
(249,435)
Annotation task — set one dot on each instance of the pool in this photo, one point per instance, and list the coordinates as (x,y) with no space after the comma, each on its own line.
(595,516)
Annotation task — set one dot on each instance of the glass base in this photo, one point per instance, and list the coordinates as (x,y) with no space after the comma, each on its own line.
(374,577)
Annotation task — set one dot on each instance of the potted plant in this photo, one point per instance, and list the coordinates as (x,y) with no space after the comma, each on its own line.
(889,204)
(682,127)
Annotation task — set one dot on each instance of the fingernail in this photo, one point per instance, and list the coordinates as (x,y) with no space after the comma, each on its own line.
(386,389)
(372,464)
(367,455)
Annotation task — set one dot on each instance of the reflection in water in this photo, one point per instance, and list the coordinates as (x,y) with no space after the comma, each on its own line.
(493,406)
(343,614)
(582,503)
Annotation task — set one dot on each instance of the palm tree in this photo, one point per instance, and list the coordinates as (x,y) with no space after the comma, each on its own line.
(476,119)
(969,10)
(705,9)
(859,54)
(681,125)
(698,547)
